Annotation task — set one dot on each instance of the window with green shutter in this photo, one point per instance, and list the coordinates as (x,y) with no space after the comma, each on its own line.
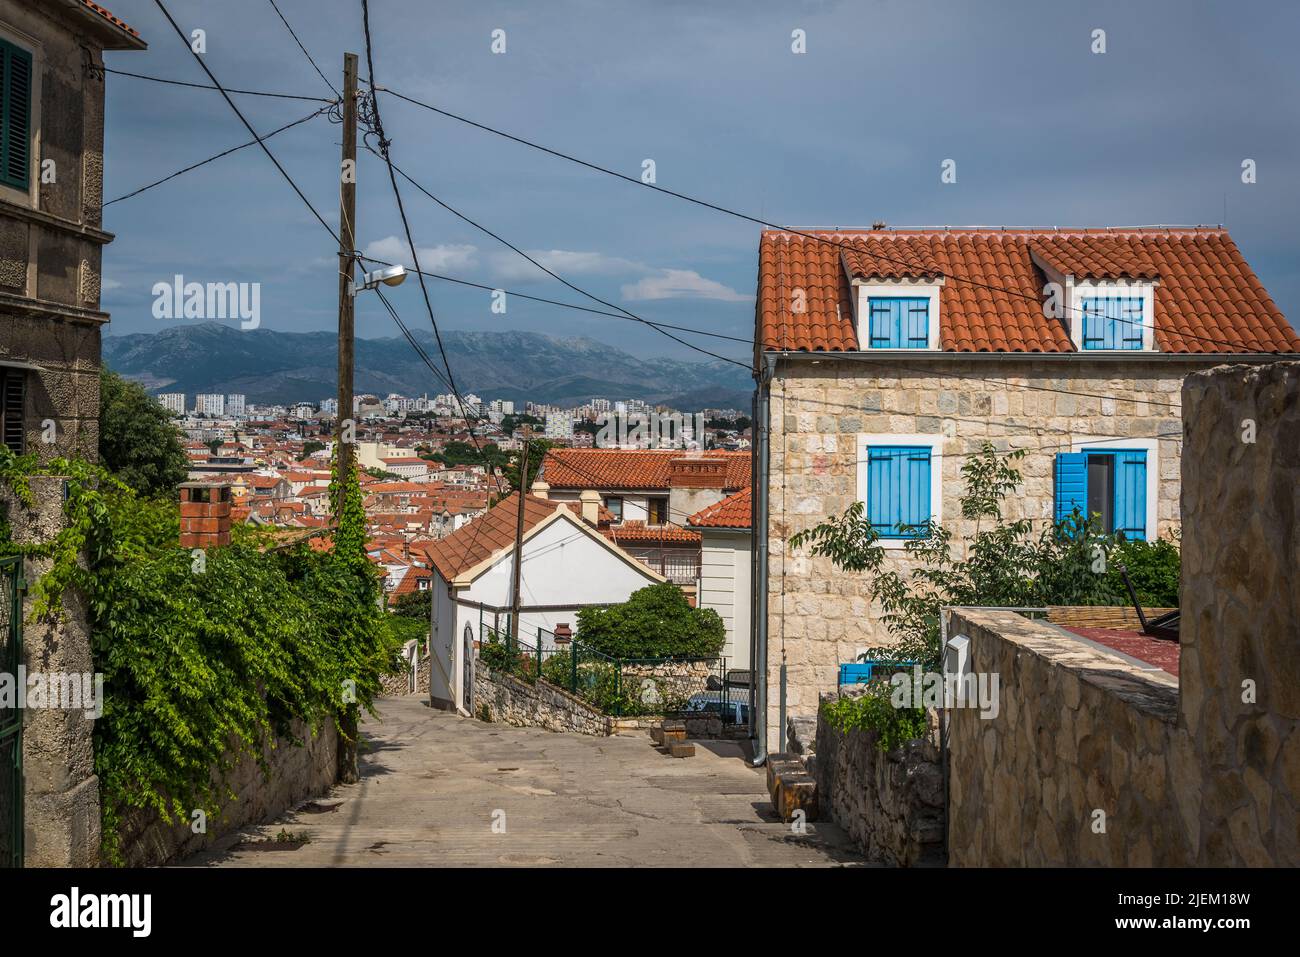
(15,115)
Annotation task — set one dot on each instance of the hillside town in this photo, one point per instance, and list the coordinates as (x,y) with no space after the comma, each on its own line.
(853,547)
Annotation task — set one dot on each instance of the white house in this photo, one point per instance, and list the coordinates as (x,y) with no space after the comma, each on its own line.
(567,565)
(726,570)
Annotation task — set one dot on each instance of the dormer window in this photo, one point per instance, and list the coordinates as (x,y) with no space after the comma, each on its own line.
(898,322)
(1112,322)
(897,313)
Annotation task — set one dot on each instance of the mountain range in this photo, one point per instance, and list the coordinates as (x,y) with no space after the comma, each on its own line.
(271,367)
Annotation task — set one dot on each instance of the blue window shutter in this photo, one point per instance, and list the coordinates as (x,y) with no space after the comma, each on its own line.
(898,322)
(898,488)
(1112,322)
(1131,494)
(1071,483)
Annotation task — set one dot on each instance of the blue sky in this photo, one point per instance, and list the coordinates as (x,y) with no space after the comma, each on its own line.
(1043,132)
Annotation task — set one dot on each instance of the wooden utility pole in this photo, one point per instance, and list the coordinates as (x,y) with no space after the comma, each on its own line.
(343,435)
(519,536)
(347,245)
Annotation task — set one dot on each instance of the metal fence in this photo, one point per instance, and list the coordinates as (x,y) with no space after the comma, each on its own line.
(622,687)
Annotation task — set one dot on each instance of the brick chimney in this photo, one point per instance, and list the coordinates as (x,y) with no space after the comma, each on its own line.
(205,515)
(688,472)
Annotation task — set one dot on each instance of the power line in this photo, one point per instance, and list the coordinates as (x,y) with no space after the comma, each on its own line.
(265,149)
(233,149)
(333,89)
(406,225)
(555,302)
(550,272)
(205,86)
(746,216)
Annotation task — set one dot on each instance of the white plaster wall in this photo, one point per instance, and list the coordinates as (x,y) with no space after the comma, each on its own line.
(725,587)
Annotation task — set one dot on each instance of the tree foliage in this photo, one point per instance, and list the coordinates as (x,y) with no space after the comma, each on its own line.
(138,440)
(655,622)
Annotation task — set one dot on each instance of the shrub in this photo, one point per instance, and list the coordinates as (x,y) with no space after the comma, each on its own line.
(873,710)
(655,622)
(1153,568)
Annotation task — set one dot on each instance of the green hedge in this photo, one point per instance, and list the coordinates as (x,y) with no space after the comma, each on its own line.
(655,622)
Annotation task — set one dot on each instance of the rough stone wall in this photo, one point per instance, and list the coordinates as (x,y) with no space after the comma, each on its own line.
(542,705)
(818,616)
(1202,770)
(1078,732)
(891,804)
(670,681)
(296,774)
(1240,594)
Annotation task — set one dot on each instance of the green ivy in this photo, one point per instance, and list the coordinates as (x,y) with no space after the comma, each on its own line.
(204,661)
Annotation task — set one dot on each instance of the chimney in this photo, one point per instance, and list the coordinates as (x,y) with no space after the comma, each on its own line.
(590,500)
(540,489)
(693,472)
(563,633)
(205,515)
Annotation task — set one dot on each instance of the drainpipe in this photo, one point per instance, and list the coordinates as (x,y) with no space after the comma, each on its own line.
(758,579)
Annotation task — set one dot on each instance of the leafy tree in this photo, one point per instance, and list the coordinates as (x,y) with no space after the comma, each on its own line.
(655,622)
(513,421)
(137,437)
(310,446)
(1153,568)
(537,449)
(416,605)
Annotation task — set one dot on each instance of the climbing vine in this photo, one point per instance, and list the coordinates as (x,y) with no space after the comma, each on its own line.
(205,662)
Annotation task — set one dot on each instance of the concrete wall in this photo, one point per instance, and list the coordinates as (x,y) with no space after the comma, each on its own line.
(1204,770)
(297,773)
(822,616)
(726,588)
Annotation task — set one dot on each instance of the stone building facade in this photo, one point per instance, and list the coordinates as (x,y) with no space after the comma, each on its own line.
(51,237)
(1066,344)
(1091,761)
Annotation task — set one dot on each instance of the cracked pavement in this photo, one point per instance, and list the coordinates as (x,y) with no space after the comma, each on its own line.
(433,785)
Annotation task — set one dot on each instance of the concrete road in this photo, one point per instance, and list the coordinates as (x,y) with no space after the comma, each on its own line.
(438,790)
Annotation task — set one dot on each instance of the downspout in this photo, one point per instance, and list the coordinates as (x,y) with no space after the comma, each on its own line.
(758,579)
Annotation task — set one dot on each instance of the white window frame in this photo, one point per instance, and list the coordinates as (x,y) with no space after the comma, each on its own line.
(1098,443)
(31,198)
(1112,289)
(894,288)
(934,441)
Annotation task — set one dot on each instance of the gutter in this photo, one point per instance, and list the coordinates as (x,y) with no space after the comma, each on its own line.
(759,563)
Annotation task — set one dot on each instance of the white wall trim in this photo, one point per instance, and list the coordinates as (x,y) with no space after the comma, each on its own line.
(1099,443)
(934,441)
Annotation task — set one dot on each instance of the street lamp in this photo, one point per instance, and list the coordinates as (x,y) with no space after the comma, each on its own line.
(389,276)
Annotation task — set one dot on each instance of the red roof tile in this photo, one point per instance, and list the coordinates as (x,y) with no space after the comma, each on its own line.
(630,468)
(469,545)
(639,531)
(1208,299)
(108,15)
(734,511)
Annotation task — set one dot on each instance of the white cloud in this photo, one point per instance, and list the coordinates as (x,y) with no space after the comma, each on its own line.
(681,284)
(447,257)
(511,267)
(108,285)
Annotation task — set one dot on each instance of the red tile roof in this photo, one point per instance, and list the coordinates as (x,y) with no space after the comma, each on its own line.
(108,15)
(630,468)
(1208,299)
(467,546)
(734,511)
(639,531)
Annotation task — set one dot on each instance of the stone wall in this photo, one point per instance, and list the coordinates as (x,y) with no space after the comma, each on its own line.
(1206,773)
(669,681)
(297,773)
(891,804)
(819,616)
(542,705)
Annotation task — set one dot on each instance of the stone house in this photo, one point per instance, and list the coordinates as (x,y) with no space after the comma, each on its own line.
(884,357)
(51,237)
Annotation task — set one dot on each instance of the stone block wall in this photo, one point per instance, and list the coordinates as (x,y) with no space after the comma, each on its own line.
(890,804)
(818,616)
(542,705)
(297,773)
(1202,770)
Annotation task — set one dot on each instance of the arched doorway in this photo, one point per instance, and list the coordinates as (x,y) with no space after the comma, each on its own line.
(467,671)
